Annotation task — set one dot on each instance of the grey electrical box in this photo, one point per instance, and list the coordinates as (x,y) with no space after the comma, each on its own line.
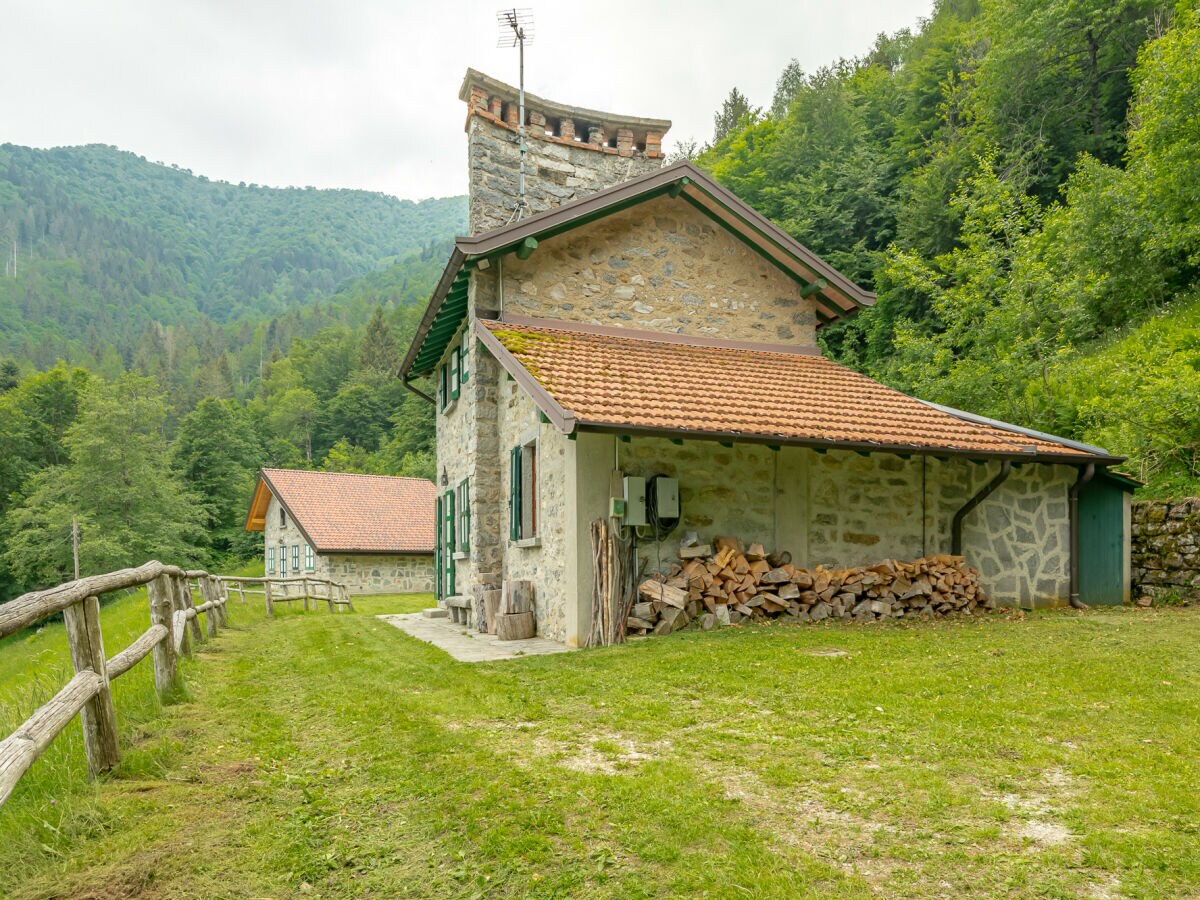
(635,501)
(666,497)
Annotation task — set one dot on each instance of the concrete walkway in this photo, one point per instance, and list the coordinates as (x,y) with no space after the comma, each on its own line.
(467,645)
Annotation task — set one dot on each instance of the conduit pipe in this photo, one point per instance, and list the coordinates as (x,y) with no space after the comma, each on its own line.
(1085,475)
(956,524)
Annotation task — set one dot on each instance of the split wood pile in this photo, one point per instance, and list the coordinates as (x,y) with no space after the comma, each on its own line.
(725,583)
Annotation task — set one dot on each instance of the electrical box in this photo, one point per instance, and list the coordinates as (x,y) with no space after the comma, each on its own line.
(635,501)
(666,498)
(616,507)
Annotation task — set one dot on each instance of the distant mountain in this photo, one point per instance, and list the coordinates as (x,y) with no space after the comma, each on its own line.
(104,242)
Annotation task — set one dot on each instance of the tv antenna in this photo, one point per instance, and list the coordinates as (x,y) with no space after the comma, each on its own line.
(516,28)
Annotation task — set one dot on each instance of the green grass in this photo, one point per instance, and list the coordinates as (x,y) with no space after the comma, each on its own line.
(1052,755)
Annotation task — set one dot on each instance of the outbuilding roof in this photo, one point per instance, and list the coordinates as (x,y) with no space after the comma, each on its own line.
(603,378)
(339,512)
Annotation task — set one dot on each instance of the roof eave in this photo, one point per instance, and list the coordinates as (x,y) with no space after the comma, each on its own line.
(449,274)
(585,425)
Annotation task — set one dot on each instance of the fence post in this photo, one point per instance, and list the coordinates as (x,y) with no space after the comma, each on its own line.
(97,716)
(267,597)
(188,602)
(222,591)
(329,594)
(242,591)
(160,591)
(304,587)
(180,600)
(210,617)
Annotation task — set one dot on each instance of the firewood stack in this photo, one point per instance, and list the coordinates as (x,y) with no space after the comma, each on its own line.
(725,583)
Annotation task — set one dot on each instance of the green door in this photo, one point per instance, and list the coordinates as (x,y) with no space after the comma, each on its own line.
(1102,543)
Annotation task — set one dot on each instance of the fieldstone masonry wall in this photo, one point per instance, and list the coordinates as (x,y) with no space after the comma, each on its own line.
(390,574)
(1166,547)
(666,267)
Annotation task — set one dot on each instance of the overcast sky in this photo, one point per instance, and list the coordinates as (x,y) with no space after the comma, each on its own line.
(363,93)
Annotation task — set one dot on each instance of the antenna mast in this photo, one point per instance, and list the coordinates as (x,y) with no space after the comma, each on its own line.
(516,27)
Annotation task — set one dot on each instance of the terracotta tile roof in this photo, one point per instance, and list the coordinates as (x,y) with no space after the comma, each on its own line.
(658,383)
(343,513)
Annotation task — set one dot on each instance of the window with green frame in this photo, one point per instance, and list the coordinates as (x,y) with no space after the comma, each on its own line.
(463,492)
(295,557)
(270,560)
(448,543)
(452,375)
(310,562)
(438,564)
(522,492)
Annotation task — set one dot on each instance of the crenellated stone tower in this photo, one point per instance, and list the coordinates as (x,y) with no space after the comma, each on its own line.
(570,151)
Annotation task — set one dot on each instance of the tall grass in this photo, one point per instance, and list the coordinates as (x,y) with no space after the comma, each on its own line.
(55,794)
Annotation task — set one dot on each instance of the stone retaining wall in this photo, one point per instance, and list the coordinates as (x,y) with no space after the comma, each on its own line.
(1166,546)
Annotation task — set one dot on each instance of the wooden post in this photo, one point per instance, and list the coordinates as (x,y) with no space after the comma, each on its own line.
(267,597)
(206,596)
(160,590)
(180,591)
(305,586)
(222,594)
(329,595)
(242,591)
(98,717)
(188,602)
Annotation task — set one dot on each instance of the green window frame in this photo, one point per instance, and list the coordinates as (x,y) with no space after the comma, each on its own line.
(522,492)
(464,514)
(463,351)
(295,557)
(448,541)
(270,560)
(310,563)
(437,548)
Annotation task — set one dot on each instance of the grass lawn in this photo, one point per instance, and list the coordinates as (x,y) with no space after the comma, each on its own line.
(332,755)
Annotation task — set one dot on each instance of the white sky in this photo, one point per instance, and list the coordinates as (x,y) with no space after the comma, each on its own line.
(363,93)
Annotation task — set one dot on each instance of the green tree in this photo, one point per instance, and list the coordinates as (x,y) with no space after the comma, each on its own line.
(735,113)
(379,352)
(293,417)
(118,481)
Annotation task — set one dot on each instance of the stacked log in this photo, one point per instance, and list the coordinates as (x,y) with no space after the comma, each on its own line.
(725,583)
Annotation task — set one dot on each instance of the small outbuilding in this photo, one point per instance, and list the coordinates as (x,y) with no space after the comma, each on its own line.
(373,533)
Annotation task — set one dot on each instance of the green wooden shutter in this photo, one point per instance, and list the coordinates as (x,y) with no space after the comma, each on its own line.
(464,514)
(437,548)
(463,351)
(455,374)
(449,510)
(514,494)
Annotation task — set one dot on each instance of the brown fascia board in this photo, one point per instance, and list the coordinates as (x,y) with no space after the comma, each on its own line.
(562,419)
(501,238)
(610,121)
(857,446)
(457,258)
(275,493)
(349,551)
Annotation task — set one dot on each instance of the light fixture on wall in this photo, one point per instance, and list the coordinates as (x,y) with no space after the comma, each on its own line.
(445,479)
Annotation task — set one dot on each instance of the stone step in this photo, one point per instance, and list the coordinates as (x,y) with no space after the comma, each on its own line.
(435,613)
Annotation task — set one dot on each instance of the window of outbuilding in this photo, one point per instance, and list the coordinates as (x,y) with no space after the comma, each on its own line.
(310,562)
(282,517)
(295,557)
(270,560)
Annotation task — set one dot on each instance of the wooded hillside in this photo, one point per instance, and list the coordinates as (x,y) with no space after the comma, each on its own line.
(1019,180)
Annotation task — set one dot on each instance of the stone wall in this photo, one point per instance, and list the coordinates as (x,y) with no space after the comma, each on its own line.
(1166,547)
(566,158)
(660,266)
(282,538)
(384,574)
(541,560)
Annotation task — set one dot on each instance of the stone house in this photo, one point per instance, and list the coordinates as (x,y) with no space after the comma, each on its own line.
(372,533)
(634,321)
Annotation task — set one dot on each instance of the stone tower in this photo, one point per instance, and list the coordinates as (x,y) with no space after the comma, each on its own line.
(570,152)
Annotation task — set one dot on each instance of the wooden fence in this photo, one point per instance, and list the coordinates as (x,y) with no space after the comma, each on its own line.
(286,590)
(174,627)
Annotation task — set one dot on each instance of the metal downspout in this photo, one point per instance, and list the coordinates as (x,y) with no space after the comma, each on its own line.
(956,524)
(1085,475)
(419,393)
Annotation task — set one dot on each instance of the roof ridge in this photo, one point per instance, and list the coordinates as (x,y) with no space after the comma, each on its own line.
(348,474)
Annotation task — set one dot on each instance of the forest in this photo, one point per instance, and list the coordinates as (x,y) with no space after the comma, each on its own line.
(1018,179)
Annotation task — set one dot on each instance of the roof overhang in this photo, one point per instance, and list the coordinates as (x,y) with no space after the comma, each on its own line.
(834,295)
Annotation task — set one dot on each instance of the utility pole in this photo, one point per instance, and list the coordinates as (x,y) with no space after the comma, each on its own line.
(75,543)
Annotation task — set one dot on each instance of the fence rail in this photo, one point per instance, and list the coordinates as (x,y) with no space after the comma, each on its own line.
(174,629)
(280,590)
